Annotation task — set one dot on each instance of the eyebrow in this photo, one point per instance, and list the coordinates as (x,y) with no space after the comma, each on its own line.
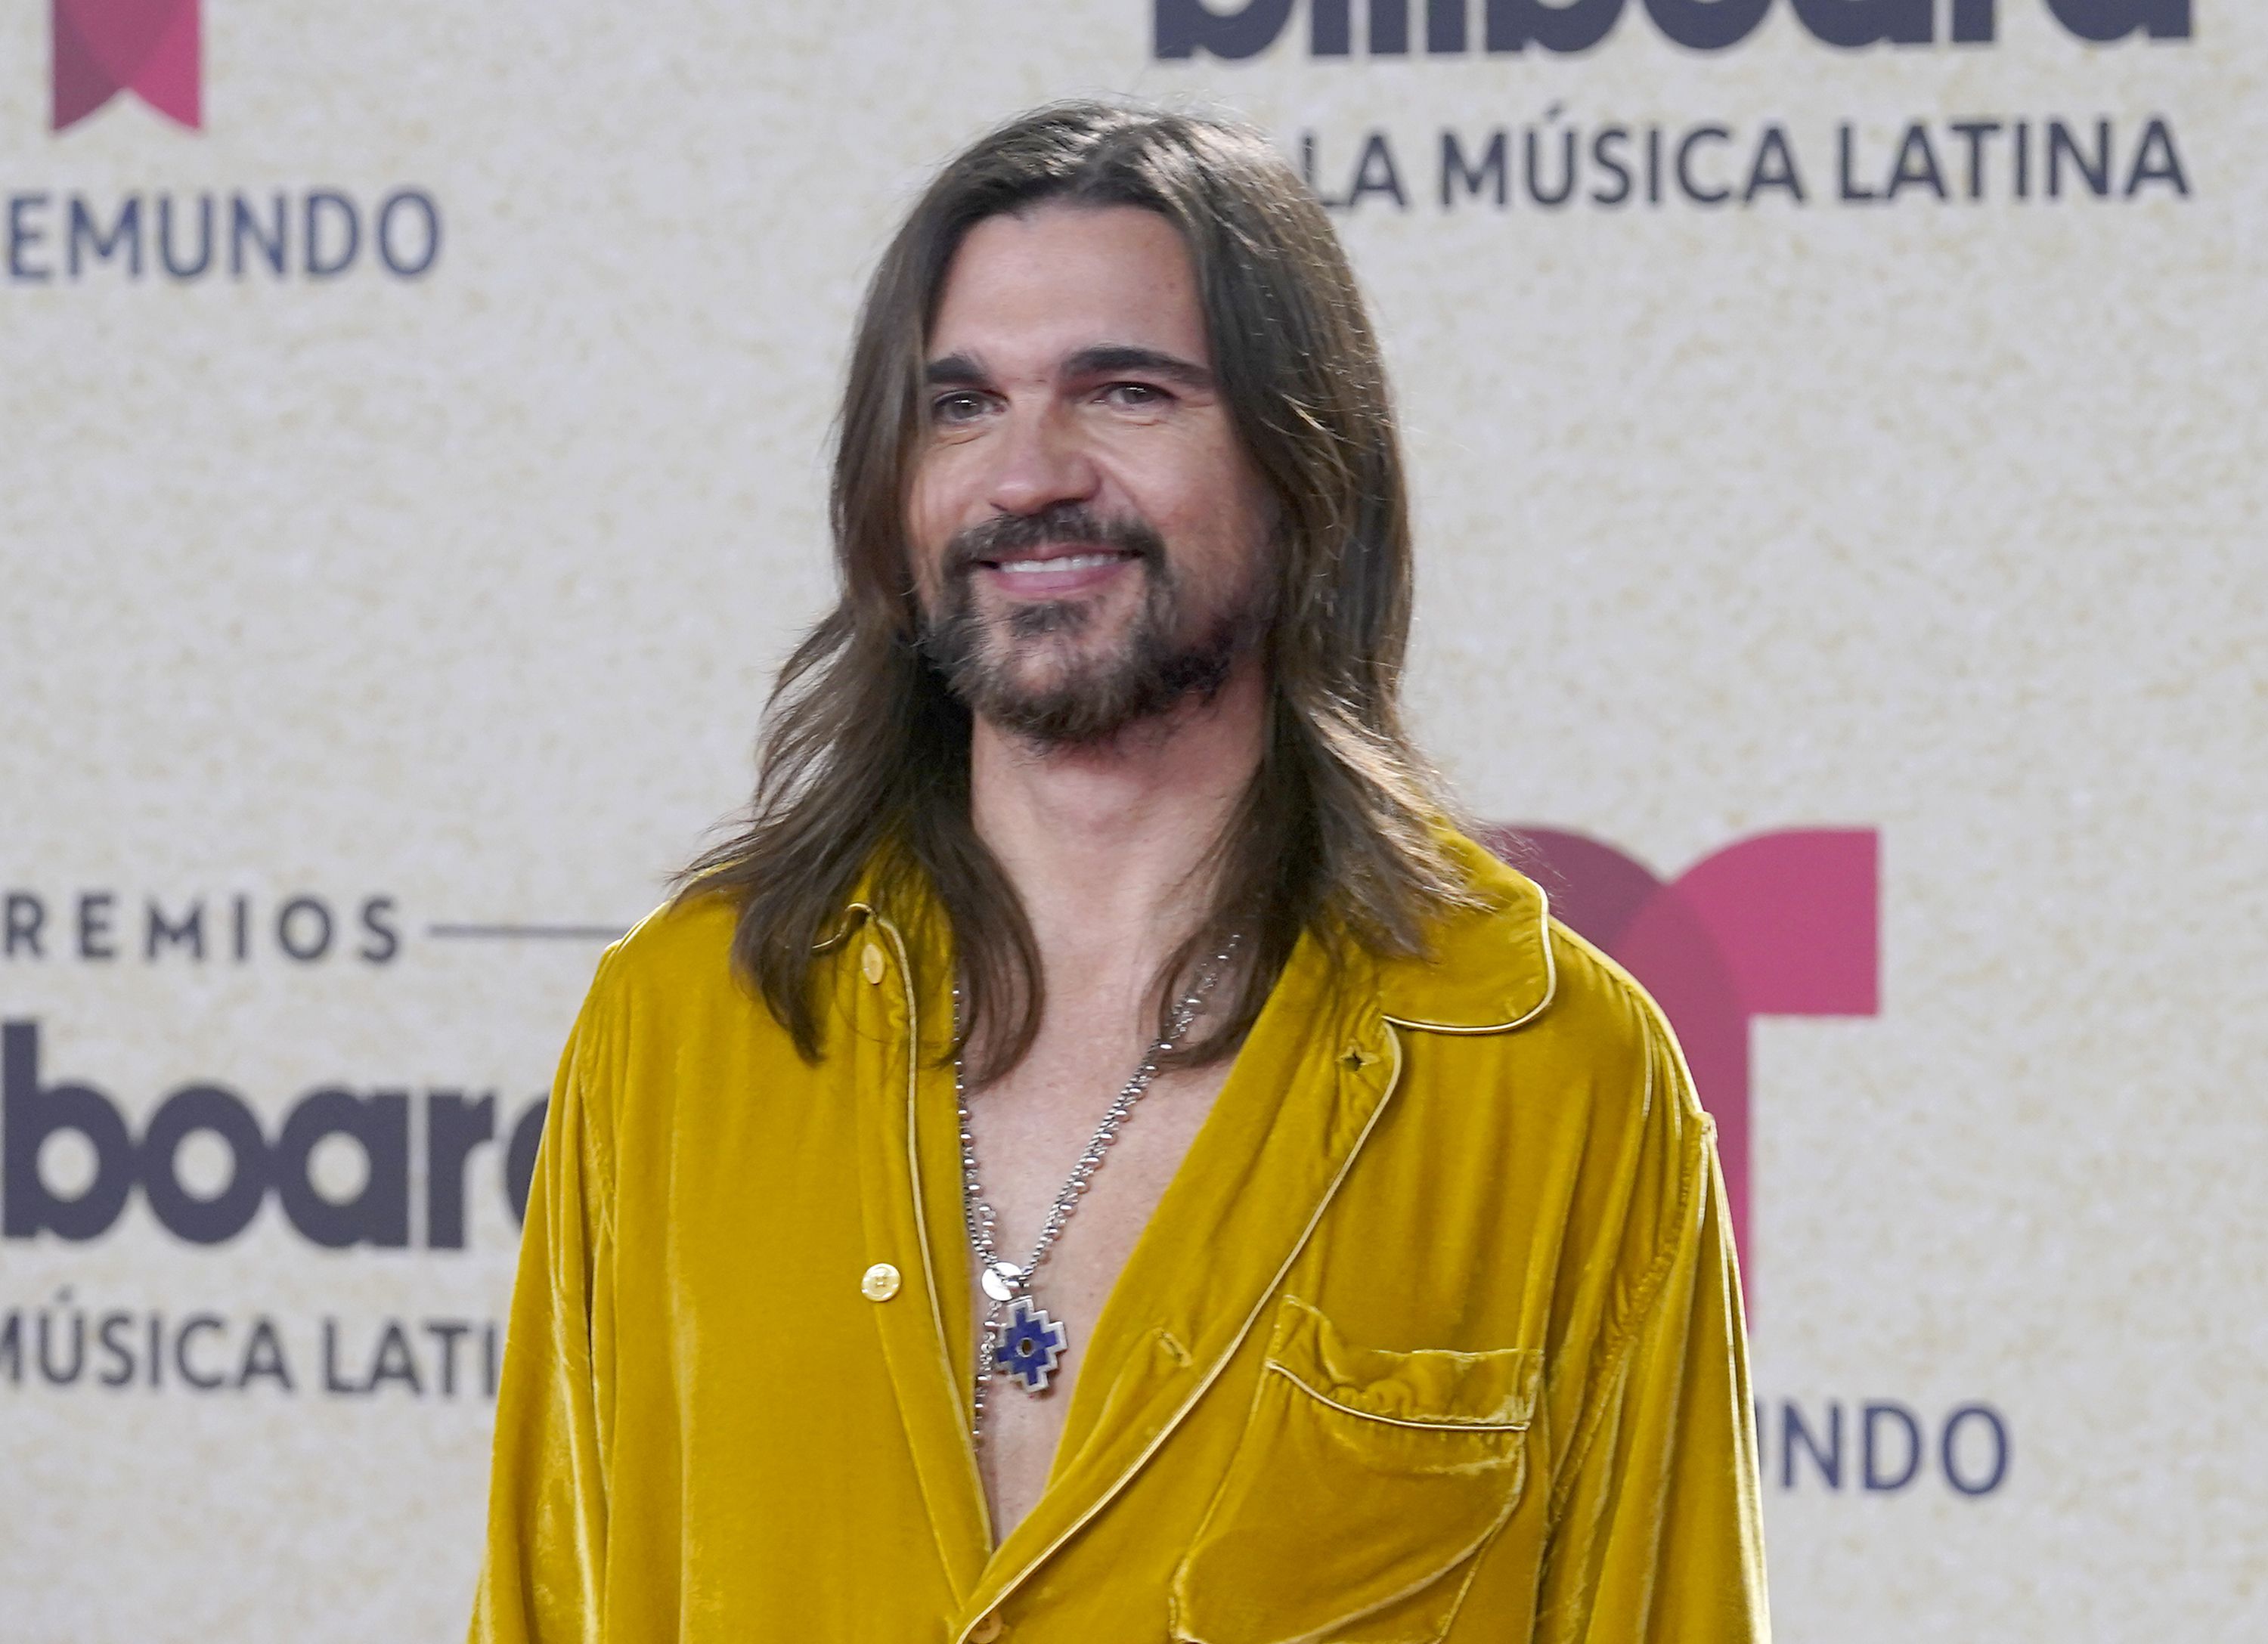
(953,368)
(1099,361)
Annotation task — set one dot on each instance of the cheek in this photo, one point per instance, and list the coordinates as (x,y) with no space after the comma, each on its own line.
(1200,497)
(929,525)
(1234,519)
(1260,513)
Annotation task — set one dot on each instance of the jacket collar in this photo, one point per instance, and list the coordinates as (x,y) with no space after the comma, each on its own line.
(1489,968)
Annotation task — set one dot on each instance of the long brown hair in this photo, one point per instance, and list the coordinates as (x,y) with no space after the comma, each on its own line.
(863,762)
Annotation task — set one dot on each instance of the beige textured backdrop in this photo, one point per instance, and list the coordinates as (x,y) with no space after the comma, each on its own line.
(1941,519)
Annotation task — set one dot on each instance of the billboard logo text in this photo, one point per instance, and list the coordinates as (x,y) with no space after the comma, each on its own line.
(382,1126)
(1403,28)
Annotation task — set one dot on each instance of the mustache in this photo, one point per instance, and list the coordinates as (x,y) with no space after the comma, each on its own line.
(1067,524)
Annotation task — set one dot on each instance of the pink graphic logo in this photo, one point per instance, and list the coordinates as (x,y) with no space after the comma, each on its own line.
(150,48)
(1780,924)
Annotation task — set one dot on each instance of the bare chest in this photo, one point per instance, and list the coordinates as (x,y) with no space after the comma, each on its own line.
(1030,1129)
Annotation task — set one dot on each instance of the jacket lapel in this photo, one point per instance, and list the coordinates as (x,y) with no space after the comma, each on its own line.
(1306,1090)
(895,1035)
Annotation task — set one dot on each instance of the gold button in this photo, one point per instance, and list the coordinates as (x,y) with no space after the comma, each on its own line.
(880,1282)
(988,1629)
(870,963)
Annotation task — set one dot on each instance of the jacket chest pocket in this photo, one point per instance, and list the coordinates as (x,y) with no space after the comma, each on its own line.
(1363,1482)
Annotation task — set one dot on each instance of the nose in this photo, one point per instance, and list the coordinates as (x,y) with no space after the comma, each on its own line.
(1039,463)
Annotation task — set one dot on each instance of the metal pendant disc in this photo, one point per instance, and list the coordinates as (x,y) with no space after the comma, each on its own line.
(1001,1280)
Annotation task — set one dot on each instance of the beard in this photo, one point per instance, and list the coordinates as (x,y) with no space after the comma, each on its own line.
(1079,696)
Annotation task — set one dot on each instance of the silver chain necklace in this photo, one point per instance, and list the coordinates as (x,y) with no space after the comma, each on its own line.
(1020,1341)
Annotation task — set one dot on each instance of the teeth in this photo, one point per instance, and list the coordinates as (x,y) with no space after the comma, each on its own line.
(1061,562)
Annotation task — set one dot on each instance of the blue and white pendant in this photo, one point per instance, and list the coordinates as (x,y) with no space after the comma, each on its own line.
(1028,1345)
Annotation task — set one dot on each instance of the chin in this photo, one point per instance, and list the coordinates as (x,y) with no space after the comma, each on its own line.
(1049,646)
(1054,680)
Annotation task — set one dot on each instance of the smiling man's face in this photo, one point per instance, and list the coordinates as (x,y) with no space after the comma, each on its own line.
(1089,537)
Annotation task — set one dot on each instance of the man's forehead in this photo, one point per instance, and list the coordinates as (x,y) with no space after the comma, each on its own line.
(1038,288)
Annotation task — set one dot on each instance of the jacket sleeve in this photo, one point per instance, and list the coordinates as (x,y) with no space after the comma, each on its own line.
(1657,1525)
(543,1578)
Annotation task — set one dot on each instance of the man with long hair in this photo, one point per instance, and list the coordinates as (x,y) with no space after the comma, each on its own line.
(1099,1156)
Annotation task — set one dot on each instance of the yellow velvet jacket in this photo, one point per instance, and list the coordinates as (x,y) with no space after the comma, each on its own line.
(1436,1334)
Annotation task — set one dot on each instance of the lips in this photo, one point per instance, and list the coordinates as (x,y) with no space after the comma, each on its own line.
(1056,571)
(1082,560)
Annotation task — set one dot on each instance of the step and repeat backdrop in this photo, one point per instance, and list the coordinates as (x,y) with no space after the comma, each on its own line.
(1836,426)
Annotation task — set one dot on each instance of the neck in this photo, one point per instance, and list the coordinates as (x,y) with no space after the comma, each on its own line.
(1110,846)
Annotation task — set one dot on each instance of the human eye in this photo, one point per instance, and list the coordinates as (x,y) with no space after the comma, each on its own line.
(1135,396)
(958,409)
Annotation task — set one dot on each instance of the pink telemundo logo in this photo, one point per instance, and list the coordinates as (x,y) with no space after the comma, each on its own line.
(1779,924)
(149,48)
